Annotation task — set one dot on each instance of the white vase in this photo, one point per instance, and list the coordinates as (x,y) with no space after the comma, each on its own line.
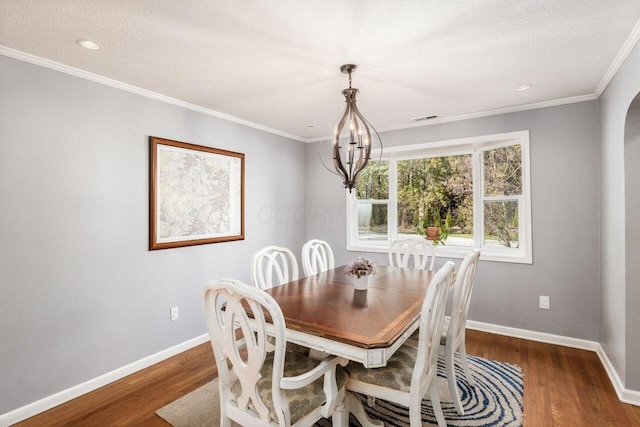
(362,283)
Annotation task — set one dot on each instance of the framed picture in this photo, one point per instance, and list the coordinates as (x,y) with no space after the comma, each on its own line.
(196,194)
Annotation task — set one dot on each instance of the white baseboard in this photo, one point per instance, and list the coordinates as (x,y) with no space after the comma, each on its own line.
(631,397)
(533,335)
(49,402)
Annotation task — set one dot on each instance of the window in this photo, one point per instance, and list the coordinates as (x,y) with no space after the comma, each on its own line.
(475,189)
(372,195)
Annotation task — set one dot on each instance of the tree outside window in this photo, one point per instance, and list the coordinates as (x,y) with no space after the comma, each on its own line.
(502,169)
(437,192)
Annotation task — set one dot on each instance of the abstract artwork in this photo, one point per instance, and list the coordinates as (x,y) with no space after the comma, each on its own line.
(196,194)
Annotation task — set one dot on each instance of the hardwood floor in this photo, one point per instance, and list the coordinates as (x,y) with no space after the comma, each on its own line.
(562,387)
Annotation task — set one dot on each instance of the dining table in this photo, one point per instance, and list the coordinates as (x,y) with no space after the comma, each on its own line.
(325,312)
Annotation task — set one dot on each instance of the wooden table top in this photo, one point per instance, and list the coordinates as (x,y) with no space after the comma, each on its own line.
(327,305)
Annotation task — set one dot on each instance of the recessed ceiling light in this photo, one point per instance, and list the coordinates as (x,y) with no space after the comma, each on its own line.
(311,126)
(88,44)
(523,87)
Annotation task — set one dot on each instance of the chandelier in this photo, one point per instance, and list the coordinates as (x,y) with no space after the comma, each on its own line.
(352,151)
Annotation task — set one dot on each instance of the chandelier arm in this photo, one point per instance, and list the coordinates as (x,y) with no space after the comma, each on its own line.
(353,128)
(337,160)
(368,157)
(322,161)
(370,126)
(381,147)
(365,151)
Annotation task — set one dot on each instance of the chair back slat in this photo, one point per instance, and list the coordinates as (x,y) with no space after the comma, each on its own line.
(273,266)
(431,322)
(420,251)
(317,257)
(462,289)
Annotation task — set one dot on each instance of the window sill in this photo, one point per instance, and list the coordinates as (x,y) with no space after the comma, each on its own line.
(455,253)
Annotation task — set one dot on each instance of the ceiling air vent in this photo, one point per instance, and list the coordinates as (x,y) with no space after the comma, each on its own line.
(420,119)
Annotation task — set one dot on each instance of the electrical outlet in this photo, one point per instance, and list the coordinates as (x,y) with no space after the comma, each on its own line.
(174,313)
(544,302)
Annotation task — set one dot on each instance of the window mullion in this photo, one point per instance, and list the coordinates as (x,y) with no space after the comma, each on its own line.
(392,206)
(372,201)
(522,234)
(478,191)
(352,221)
(516,197)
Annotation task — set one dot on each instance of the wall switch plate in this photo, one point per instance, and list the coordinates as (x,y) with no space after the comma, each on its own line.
(544,302)
(174,313)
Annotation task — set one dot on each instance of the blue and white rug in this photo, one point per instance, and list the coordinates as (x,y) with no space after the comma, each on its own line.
(496,400)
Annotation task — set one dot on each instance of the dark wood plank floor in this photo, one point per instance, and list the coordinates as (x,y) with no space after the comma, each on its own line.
(562,387)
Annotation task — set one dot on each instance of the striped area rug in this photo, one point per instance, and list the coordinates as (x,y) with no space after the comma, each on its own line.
(496,400)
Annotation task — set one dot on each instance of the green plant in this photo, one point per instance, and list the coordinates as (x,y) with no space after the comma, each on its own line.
(445,228)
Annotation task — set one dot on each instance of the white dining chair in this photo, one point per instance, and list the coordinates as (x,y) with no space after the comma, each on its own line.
(454,329)
(411,373)
(453,336)
(273,266)
(421,251)
(317,257)
(266,382)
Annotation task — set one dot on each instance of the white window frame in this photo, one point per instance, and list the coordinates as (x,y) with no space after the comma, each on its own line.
(474,146)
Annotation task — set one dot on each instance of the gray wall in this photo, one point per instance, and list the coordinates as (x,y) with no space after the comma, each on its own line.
(565,192)
(620,301)
(80,294)
(632,246)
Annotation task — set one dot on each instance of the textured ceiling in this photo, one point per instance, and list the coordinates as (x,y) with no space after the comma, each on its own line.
(276,63)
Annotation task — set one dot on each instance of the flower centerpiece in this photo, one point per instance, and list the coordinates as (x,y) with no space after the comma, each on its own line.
(361,268)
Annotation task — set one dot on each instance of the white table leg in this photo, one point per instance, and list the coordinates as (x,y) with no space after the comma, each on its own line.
(340,416)
(355,407)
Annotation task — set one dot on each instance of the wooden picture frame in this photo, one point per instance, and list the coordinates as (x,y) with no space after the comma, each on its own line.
(196,194)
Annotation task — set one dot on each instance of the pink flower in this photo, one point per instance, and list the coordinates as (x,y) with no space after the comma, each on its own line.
(360,267)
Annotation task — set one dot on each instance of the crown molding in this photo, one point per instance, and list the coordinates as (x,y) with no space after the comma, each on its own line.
(506,110)
(624,52)
(622,55)
(46,63)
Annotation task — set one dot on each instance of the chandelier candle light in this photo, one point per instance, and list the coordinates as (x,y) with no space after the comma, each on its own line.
(350,158)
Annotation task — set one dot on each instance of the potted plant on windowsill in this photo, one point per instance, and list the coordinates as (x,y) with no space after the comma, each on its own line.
(435,231)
